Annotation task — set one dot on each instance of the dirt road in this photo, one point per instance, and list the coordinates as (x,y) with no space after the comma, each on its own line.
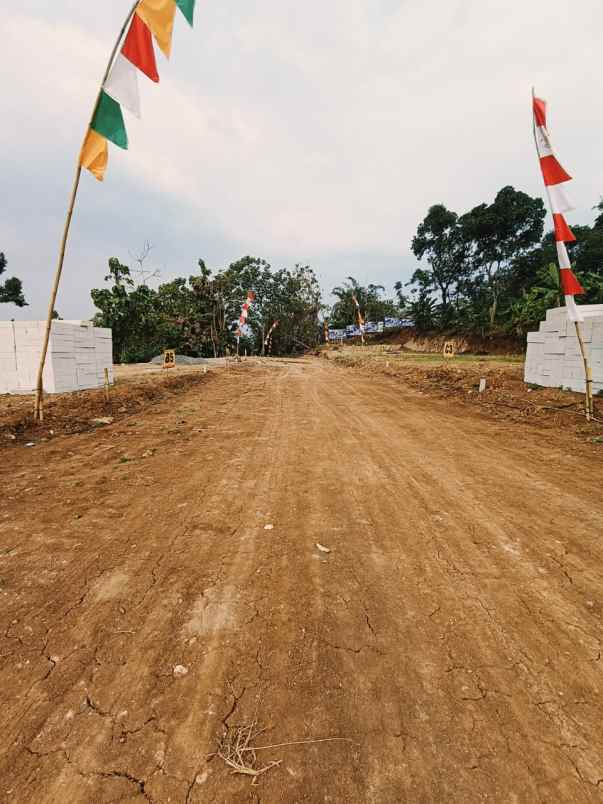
(452,636)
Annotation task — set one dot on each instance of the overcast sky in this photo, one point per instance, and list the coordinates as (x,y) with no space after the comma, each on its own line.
(315,132)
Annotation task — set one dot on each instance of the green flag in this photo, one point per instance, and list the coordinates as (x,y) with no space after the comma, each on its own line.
(188,9)
(108,121)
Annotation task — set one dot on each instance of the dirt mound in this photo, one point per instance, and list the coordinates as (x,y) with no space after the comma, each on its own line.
(464,344)
(84,410)
(506,395)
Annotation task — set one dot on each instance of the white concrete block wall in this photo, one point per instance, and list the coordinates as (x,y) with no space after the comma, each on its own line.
(78,354)
(553,357)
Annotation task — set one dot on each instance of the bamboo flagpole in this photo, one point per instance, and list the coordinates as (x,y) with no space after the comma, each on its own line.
(38,407)
(554,176)
(360,318)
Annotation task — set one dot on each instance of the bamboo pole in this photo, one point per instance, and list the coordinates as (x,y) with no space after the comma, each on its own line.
(588,377)
(38,406)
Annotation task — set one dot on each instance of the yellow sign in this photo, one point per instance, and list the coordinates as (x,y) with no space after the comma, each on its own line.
(169,359)
(449,349)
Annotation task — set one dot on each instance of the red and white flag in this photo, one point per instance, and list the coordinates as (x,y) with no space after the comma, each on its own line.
(245,309)
(270,331)
(555,177)
(359,314)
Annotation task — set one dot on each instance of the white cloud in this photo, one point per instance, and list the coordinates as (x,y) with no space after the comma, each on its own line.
(313,129)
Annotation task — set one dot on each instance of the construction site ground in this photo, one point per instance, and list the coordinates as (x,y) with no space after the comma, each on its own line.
(394,579)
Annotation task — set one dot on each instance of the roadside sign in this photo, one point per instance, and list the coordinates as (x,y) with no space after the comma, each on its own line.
(449,349)
(169,359)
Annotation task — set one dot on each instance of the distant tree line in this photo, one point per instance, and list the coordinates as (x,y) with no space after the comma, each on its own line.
(11,290)
(488,271)
(198,315)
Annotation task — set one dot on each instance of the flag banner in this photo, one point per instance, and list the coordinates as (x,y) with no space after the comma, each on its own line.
(563,234)
(245,309)
(138,48)
(558,199)
(270,331)
(552,171)
(95,154)
(159,17)
(360,318)
(573,313)
(569,282)
(122,85)
(555,177)
(108,121)
(152,18)
(187,7)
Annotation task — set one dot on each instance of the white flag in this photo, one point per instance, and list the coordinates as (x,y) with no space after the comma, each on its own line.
(122,85)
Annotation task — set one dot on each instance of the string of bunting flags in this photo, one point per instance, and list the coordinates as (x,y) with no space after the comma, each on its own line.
(132,53)
(151,19)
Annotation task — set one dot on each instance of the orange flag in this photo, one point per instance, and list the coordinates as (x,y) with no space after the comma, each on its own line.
(159,16)
(95,154)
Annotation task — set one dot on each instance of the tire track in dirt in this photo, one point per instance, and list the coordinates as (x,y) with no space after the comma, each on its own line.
(433,490)
(103,689)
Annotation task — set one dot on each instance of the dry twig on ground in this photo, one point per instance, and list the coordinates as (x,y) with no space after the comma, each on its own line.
(238,752)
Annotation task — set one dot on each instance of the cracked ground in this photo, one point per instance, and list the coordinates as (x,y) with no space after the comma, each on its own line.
(452,635)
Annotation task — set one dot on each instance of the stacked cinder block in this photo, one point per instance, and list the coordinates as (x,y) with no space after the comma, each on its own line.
(553,357)
(78,354)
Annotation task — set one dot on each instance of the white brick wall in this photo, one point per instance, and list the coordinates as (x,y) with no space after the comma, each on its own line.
(78,354)
(553,357)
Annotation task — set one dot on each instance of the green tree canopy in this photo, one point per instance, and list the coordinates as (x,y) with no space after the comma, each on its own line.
(198,316)
(441,243)
(497,234)
(11,290)
(373,305)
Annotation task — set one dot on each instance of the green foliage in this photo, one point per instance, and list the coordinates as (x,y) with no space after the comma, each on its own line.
(526,312)
(11,291)
(498,233)
(372,304)
(440,241)
(198,316)
(492,270)
(423,311)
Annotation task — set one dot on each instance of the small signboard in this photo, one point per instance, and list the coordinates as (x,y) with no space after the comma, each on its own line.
(169,359)
(449,349)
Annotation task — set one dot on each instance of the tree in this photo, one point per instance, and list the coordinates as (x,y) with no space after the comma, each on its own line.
(11,291)
(131,313)
(370,298)
(422,310)
(198,316)
(497,234)
(527,311)
(440,241)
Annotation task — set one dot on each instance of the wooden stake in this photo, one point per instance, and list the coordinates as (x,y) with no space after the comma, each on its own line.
(38,406)
(588,376)
(107,397)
